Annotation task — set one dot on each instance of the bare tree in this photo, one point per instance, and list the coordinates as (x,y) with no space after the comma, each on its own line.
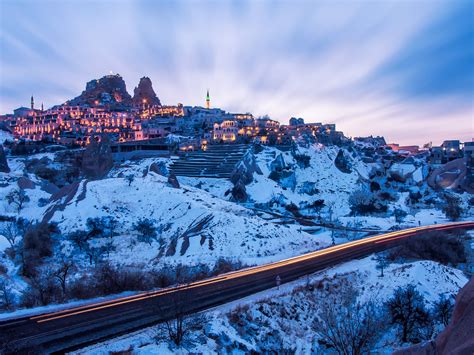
(17,197)
(179,323)
(347,325)
(79,239)
(94,253)
(43,288)
(110,226)
(11,232)
(407,309)
(62,272)
(6,296)
(442,309)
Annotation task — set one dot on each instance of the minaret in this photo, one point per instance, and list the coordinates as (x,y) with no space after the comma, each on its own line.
(208,100)
(42,108)
(32,103)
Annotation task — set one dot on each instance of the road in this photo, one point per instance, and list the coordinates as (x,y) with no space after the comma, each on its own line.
(71,328)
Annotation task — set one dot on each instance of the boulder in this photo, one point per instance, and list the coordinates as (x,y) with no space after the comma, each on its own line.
(159,168)
(342,162)
(25,183)
(4,168)
(97,159)
(173,181)
(288,180)
(144,93)
(49,188)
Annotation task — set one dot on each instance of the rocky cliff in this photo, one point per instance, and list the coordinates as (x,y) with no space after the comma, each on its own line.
(109,90)
(144,93)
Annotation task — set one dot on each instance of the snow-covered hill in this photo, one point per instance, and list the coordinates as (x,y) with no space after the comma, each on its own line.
(233,232)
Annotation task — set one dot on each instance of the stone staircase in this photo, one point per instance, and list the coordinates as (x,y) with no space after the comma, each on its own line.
(217,161)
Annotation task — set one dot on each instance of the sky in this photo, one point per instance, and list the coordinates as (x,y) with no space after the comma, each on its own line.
(401,69)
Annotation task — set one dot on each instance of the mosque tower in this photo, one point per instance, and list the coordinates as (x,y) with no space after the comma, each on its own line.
(208,100)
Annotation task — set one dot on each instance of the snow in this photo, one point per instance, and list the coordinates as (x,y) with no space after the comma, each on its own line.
(236,232)
(3,243)
(265,310)
(403,169)
(4,136)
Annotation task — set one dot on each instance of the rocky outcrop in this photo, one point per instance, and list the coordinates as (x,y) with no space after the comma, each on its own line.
(25,183)
(159,168)
(97,159)
(452,175)
(4,168)
(239,192)
(244,169)
(278,164)
(342,162)
(144,93)
(456,338)
(109,90)
(173,181)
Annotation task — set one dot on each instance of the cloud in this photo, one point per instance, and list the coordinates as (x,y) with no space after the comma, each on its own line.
(372,67)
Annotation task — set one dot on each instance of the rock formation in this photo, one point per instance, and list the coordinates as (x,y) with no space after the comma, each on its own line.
(173,181)
(109,90)
(159,168)
(144,93)
(278,164)
(97,159)
(25,183)
(342,162)
(4,168)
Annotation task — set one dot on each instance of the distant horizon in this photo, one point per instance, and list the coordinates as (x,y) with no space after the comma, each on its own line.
(400,70)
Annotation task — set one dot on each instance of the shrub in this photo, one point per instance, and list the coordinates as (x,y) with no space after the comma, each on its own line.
(436,246)
(146,230)
(374,186)
(386,196)
(452,208)
(364,202)
(303,160)
(37,244)
(399,215)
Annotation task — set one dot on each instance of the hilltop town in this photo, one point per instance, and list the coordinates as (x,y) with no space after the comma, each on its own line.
(139,126)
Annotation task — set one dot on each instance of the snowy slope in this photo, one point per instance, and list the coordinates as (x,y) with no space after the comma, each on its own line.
(282,318)
(234,232)
(330,184)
